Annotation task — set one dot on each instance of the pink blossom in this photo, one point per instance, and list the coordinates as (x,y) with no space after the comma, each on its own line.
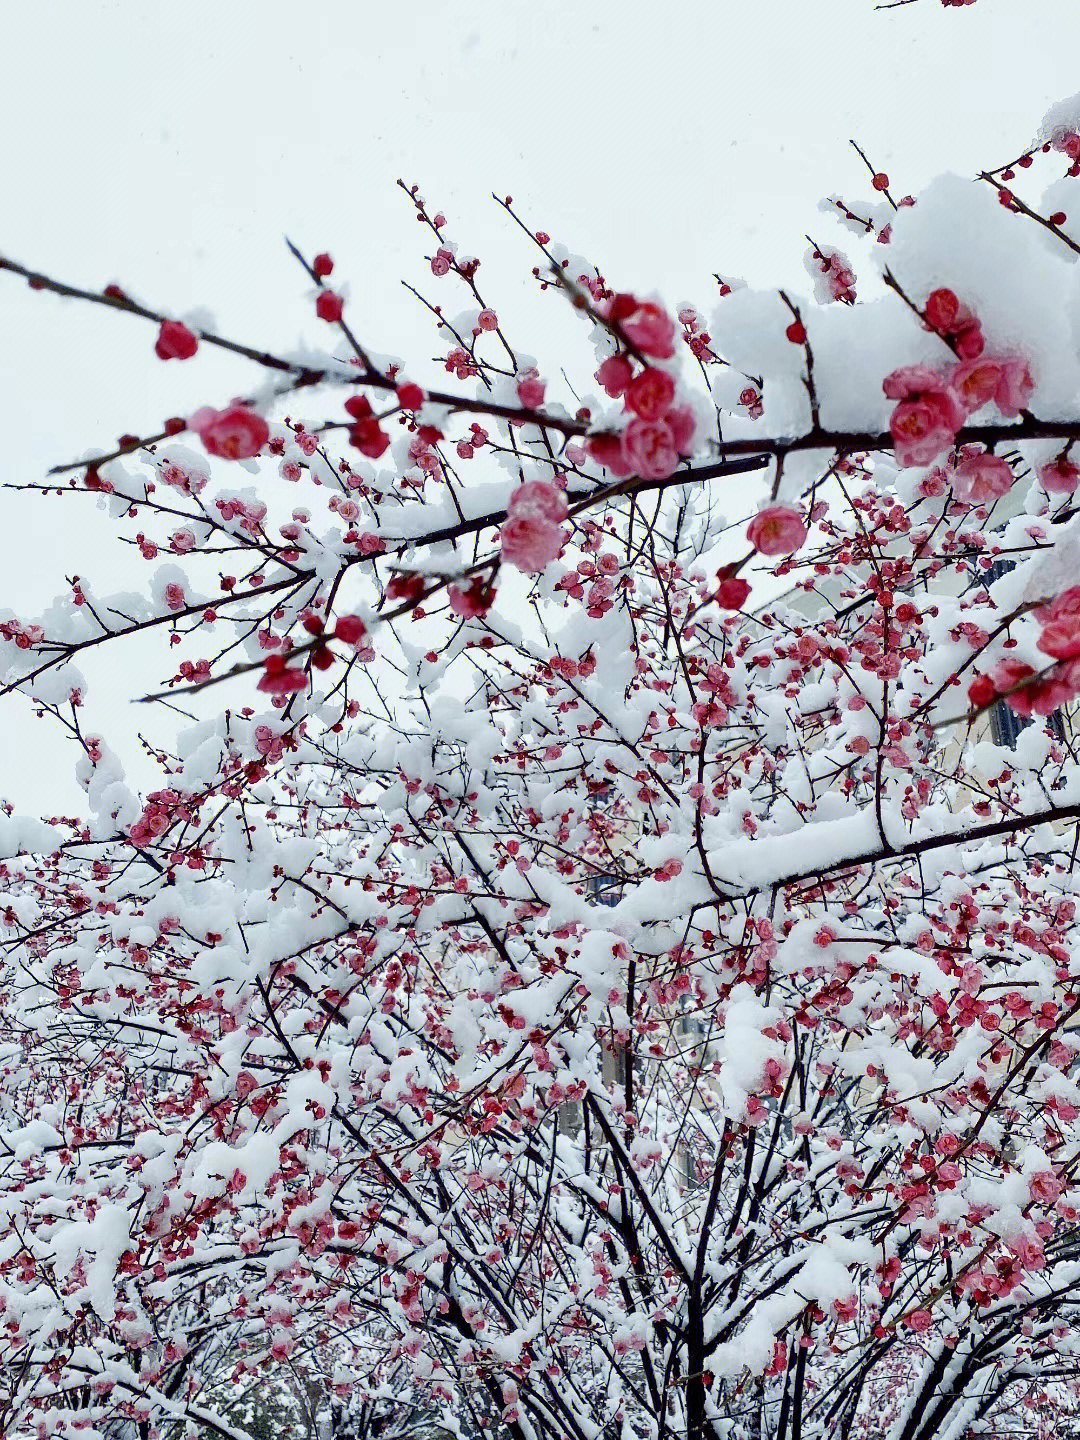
(410,395)
(982,692)
(946,315)
(1045,1186)
(653,448)
(530,541)
(969,342)
(1009,674)
(541,496)
(750,396)
(350,630)
(278,678)
(235,433)
(650,393)
(645,324)
(366,434)
(943,311)
(776,530)
(271,747)
(928,416)
(472,599)
(1029,1252)
(841,282)
(530,390)
(1029,693)
(1061,625)
(608,450)
(979,477)
(1004,379)
(650,449)
(732,592)
(615,374)
(834,278)
(460,364)
(181,479)
(681,421)
(1059,476)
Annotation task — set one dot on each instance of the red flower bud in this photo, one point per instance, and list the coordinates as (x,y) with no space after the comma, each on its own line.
(350,629)
(329,306)
(175,341)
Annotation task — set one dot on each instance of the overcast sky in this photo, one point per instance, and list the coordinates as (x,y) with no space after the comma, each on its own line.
(170,147)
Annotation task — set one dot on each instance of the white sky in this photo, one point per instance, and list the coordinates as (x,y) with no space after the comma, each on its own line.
(170,147)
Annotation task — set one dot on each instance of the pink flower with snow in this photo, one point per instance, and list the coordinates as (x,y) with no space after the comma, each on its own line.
(1061,625)
(980,478)
(539,496)
(1067,142)
(645,324)
(943,311)
(1028,693)
(650,449)
(1059,476)
(650,393)
(472,599)
(235,433)
(530,541)
(530,390)
(350,630)
(1003,379)
(928,416)
(776,530)
(615,374)
(834,279)
(1029,1251)
(533,535)
(732,592)
(278,678)
(191,483)
(608,450)
(1045,1186)
(947,315)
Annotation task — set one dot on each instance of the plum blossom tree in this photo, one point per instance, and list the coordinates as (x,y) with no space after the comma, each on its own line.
(582,969)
